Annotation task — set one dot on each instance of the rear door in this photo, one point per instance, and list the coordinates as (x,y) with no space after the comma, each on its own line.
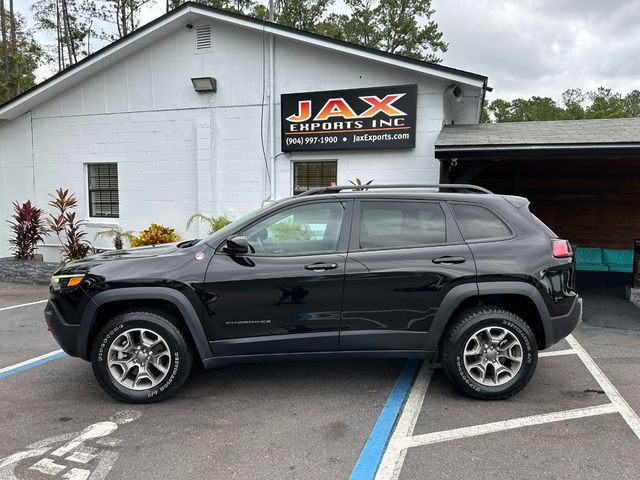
(404,256)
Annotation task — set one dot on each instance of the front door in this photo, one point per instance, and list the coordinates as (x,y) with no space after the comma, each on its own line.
(404,257)
(286,295)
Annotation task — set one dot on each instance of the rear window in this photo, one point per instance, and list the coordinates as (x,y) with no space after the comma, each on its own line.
(401,224)
(479,223)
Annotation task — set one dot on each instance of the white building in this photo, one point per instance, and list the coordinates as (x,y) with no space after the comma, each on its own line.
(126,130)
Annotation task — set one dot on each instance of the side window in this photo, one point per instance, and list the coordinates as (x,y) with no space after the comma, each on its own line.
(401,224)
(478,223)
(306,229)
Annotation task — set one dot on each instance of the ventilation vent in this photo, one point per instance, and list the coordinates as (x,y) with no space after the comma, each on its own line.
(203,37)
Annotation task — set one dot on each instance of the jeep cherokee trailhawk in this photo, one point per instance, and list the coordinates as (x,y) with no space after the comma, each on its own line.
(459,277)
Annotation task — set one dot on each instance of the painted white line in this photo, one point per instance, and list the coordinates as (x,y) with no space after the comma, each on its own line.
(48,467)
(621,404)
(476,430)
(557,353)
(30,361)
(95,431)
(393,458)
(77,474)
(22,305)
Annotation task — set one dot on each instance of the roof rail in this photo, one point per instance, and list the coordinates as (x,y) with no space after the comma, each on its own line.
(452,186)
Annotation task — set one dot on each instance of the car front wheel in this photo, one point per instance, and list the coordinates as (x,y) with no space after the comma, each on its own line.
(141,356)
(489,353)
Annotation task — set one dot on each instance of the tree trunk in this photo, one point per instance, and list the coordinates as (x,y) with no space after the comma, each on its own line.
(59,39)
(14,49)
(132,11)
(68,35)
(5,53)
(123,17)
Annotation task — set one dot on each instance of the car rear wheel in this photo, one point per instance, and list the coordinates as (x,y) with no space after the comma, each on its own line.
(141,356)
(489,353)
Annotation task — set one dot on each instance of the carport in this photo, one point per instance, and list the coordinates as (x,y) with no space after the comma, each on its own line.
(582,177)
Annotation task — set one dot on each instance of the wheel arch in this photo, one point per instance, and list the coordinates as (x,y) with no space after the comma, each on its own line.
(518,297)
(113,301)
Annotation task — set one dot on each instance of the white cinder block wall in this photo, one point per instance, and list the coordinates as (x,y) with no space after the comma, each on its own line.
(180,152)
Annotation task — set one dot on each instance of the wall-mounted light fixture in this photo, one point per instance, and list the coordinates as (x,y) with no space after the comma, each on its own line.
(204,84)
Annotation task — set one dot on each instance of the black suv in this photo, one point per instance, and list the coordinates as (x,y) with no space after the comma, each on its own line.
(459,277)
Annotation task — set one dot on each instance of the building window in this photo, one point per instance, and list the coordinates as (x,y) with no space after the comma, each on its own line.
(103,190)
(307,175)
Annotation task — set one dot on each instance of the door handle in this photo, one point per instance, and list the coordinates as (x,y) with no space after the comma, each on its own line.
(448,260)
(321,267)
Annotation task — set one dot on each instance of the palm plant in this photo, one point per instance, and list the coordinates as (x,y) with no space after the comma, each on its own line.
(359,185)
(214,223)
(117,234)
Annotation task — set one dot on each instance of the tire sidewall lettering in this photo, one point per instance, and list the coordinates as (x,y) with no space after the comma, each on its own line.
(169,381)
(106,339)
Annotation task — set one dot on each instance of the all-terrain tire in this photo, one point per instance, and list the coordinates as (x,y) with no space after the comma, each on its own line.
(460,333)
(177,361)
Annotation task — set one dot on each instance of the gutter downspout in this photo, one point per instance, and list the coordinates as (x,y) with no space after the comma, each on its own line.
(272,107)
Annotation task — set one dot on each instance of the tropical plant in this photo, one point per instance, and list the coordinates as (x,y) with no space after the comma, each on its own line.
(156,234)
(68,229)
(359,185)
(117,234)
(28,230)
(214,223)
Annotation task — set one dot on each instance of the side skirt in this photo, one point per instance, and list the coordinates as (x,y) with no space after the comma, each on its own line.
(331,355)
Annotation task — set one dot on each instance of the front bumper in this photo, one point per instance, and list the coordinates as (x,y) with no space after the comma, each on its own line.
(563,325)
(65,334)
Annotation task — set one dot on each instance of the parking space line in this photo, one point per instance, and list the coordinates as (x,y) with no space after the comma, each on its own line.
(33,362)
(557,353)
(374,449)
(629,415)
(402,437)
(394,456)
(21,305)
(465,432)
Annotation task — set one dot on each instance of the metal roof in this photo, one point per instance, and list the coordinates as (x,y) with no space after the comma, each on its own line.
(609,132)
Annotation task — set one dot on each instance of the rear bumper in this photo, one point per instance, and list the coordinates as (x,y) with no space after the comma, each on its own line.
(563,325)
(65,334)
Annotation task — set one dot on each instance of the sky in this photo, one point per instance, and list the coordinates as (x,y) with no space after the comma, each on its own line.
(528,47)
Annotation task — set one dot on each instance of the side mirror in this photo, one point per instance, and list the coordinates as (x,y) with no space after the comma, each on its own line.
(237,245)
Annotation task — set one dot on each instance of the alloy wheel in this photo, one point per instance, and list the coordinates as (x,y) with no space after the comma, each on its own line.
(493,356)
(139,359)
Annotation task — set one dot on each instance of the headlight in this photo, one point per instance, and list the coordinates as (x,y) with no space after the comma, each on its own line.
(62,282)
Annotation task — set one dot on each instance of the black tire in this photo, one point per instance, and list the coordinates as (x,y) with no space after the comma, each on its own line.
(463,328)
(160,323)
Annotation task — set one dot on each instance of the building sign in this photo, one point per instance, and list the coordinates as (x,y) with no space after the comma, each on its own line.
(363,118)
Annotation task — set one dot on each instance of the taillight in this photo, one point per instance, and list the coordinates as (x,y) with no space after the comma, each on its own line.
(562,249)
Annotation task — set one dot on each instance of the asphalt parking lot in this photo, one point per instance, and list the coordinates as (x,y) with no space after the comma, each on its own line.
(323,420)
